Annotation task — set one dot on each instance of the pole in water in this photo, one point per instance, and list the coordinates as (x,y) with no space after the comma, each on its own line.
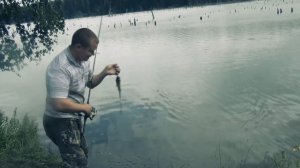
(153,18)
(118,83)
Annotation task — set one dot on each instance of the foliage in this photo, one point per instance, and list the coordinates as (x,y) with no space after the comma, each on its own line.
(281,159)
(28,29)
(20,144)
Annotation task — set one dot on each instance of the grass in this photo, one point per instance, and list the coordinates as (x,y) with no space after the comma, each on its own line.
(281,159)
(20,144)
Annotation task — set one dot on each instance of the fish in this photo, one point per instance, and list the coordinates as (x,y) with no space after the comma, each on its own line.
(118,84)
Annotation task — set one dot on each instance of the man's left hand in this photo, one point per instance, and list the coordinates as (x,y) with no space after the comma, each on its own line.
(112,69)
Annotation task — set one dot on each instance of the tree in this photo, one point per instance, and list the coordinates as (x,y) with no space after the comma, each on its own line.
(28,30)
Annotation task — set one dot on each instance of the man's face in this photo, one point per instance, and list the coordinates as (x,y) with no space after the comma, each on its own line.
(86,52)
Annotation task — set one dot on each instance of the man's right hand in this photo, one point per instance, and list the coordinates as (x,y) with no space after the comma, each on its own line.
(87,109)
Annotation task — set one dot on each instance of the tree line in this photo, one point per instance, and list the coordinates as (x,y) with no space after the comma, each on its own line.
(79,8)
(36,24)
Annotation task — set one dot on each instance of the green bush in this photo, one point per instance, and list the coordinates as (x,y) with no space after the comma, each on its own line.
(20,145)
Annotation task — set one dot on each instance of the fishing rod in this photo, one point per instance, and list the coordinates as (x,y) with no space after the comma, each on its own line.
(118,84)
(93,112)
(88,99)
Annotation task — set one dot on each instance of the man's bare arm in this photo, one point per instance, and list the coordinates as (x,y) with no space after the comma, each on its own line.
(69,106)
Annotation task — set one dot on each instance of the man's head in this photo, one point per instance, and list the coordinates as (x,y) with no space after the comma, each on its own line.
(84,43)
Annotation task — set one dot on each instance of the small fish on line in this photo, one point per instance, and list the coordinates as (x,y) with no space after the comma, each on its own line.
(118,83)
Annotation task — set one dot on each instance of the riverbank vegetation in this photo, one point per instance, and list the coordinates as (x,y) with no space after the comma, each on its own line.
(288,158)
(20,144)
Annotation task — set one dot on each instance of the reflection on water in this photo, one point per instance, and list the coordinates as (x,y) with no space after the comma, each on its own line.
(130,139)
(192,90)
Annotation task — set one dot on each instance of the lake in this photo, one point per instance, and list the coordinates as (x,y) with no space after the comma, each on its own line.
(223,90)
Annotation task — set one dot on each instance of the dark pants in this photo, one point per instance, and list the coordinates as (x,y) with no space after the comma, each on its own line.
(67,135)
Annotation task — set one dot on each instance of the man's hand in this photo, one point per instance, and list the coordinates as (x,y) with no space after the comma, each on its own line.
(90,111)
(87,109)
(112,69)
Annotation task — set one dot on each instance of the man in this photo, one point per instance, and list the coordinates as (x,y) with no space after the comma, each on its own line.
(66,78)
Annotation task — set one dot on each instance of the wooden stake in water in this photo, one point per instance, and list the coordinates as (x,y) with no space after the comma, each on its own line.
(118,83)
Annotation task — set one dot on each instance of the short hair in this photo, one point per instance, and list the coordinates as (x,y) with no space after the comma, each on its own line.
(83,36)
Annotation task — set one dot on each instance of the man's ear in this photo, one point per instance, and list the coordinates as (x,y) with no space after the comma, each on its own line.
(78,46)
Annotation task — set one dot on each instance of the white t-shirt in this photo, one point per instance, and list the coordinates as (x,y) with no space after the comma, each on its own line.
(66,78)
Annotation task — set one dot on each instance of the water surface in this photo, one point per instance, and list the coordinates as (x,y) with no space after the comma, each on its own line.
(192,90)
